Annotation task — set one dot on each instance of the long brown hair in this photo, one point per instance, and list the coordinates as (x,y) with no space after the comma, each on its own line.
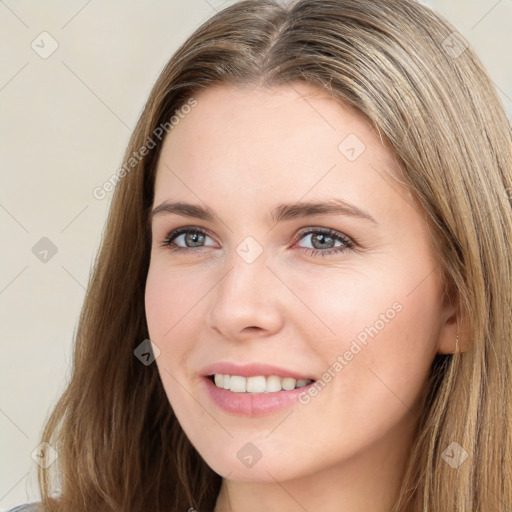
(120,446)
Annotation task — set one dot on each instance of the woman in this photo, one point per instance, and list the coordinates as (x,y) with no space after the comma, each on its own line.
(312,227)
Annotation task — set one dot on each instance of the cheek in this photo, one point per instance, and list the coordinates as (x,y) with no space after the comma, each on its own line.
(169,311)
(375,330)
(170,300)
(175,301)
(158,301)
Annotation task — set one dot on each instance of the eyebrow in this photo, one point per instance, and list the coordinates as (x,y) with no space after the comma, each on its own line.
(280,213)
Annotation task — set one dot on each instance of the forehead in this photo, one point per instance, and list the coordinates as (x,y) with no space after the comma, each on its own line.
(258,143)
(277,118)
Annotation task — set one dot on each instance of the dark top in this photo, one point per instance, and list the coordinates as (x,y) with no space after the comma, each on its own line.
(27,507)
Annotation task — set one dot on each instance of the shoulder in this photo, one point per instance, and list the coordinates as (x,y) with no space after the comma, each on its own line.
(27,507)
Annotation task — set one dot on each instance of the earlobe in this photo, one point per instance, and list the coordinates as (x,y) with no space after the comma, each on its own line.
(458,344)
(454,334)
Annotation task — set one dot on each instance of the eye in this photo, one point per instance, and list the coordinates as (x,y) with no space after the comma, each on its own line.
(190,236)
(324,241)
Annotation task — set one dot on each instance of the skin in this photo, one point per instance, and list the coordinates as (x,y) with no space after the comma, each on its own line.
(242,153)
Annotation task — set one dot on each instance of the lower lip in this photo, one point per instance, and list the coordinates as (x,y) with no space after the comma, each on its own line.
(249,404)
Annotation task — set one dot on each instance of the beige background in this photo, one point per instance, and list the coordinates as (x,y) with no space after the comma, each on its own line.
(65,121)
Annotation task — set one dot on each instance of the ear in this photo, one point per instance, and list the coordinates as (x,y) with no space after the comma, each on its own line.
(454,321)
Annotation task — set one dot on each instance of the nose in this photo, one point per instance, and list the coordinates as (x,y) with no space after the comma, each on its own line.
(247,301)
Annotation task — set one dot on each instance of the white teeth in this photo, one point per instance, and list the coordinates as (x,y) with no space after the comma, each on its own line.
(238,384)
(288,383)
(273,384)
(258,384)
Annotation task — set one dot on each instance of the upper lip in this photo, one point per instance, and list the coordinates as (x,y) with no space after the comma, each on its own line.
(252,370)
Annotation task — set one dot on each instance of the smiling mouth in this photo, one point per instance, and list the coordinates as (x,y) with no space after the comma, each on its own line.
(257,384)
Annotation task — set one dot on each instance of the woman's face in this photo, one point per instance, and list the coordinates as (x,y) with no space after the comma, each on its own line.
(304,259)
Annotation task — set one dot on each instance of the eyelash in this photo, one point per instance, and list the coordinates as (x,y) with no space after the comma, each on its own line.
(348,244)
